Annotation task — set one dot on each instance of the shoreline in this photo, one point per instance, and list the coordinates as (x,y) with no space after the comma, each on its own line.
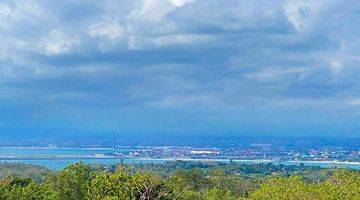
(19,157)
(295,162)
(97,148)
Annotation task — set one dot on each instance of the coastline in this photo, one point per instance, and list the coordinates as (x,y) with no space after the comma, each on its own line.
(295,162)
(63,148)
(42,155)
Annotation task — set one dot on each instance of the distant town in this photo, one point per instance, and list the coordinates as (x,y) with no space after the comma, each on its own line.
(347,150)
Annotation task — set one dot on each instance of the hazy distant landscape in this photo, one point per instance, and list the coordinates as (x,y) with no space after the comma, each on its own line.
(322,152)
(245,168)
(179,100)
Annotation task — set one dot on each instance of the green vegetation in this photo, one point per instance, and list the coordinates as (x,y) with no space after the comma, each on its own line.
(33,172)
(185,181)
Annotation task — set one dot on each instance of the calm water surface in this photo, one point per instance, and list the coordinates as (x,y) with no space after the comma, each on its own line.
(50,158)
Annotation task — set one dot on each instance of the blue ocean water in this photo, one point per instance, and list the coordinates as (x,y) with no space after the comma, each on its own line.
(52,158)
(48,152)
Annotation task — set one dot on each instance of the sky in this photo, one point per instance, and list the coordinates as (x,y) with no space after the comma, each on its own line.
(179,67)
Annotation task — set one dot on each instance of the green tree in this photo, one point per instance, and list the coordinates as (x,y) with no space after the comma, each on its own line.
(71,183)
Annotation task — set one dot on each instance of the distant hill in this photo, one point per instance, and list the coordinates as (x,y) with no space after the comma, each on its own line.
(23,170)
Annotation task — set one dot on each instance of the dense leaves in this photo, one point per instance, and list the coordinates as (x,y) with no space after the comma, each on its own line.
(82,182)
(342,185)
(24,170)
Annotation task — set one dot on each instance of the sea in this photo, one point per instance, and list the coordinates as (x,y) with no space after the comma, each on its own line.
(58,158)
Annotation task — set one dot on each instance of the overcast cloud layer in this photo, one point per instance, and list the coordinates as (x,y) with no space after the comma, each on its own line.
(180,67)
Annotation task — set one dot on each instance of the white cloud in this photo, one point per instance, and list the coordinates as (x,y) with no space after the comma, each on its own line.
(302,13)
(18,12)
(150,19)
(354,102)
(335,67)
(206,101)
(181,39)
(168,40)
(273,74)
(106,29)
(57,42)
(4,11)
(152,11)
(179,3)
(258,36)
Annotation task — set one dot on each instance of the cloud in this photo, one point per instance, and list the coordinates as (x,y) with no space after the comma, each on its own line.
(271,74)
(354,102)
(179,56)
(301,14)
(335,67)
(107,29)
(168,41)
(56,42)
(179,3)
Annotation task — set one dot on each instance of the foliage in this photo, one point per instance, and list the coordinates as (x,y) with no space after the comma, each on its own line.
(189,182)
(33,172)
(342,185)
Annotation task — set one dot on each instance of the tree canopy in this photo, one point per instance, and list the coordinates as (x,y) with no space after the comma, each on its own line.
(83,182)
